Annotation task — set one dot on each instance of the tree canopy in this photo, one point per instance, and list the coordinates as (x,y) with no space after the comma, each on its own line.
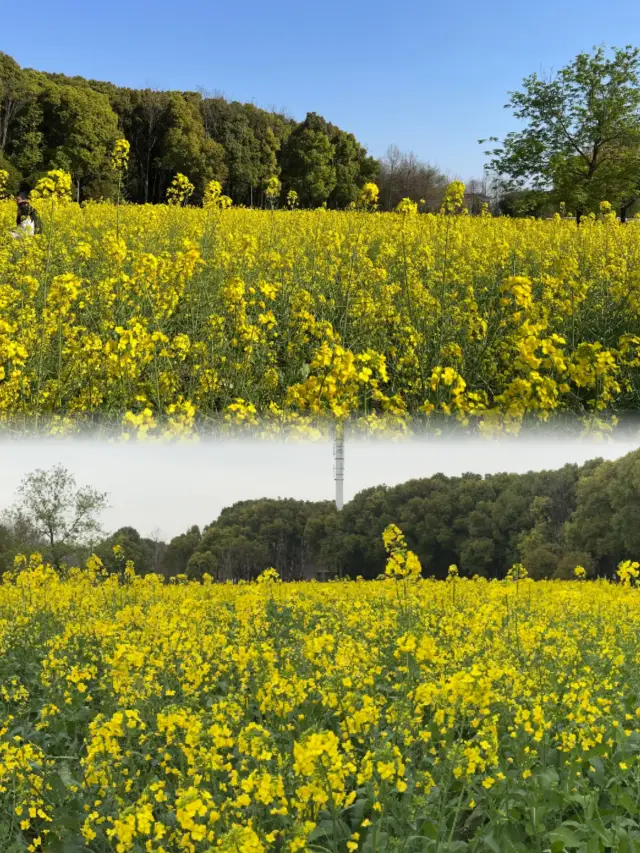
(52,121)
(550,521)
(581,134)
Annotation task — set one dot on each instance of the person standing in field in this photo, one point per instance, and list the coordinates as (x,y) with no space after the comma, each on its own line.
(27,221)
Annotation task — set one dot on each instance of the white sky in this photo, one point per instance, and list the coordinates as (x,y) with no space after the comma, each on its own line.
(168,488)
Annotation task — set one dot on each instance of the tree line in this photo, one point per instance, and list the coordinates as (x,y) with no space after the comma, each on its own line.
(550,521)
(51,121)
(579,145)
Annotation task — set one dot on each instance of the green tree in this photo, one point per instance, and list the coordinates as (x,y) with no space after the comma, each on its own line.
(13,93)
(582,131)
(534,203)
(62,516)
(81,129)
(145,122)
(180,550)
(202,563)
(134,547)
(347,158)
(231,553)
(187,149)
(229,126)
(308,165)
(26,130)
(605,520)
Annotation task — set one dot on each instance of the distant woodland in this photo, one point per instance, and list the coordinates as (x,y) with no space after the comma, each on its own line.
(551,521)
(50,121)
(578,146)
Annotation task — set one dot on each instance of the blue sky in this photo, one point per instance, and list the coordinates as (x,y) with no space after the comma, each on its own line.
(431,77)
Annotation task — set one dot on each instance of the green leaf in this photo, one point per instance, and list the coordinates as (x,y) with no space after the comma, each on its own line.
(429,829)
(565,836)
(548,778)
(380,840)
(491,844)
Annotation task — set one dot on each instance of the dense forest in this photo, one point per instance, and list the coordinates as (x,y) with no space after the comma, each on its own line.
(579,146)
(49,121)
(551,521)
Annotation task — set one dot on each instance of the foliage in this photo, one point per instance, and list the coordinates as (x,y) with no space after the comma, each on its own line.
(550,521)
(49,121)
(61,515)
(308,162)
(582,134)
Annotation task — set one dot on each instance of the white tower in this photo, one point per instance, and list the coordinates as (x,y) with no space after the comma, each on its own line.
(338,469)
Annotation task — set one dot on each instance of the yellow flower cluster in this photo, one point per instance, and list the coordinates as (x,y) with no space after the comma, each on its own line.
(401,562)
(180,190)
(200,717)
(120,155)
(165,319)
(628,571)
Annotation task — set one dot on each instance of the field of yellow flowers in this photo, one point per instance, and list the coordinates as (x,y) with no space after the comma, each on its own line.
(169,318)
(401,714)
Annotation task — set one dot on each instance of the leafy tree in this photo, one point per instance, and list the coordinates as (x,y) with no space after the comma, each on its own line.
(13,181)
(25,134)
(604,523)
(61,515)
(202,563)
(229,126)
(582,132)
(352,169)
(231,553)
(145,120)
(17,536)
(12,96)
(534,203)
(186,147)
(570,560)
(308,165)
(81,130)
(52,121)
(133,547)
(180,550)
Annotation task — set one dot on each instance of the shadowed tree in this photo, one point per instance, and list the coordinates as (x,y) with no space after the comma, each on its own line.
(308,165)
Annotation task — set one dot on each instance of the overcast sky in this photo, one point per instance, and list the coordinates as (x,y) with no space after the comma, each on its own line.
(168,488)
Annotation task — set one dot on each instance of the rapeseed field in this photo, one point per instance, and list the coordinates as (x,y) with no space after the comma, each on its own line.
(167,319)
(402,714)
